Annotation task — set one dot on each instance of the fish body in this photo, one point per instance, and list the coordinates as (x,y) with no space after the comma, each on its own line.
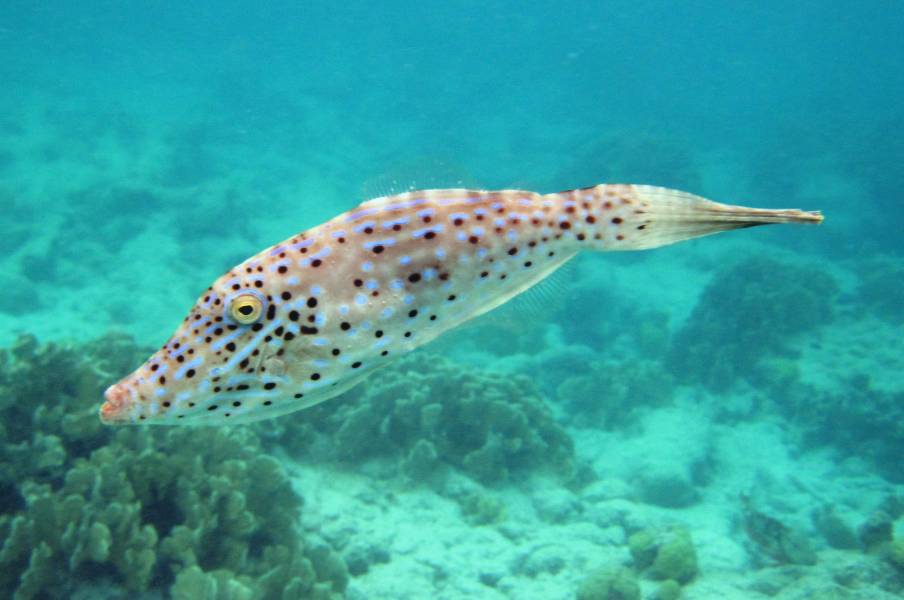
(306,319)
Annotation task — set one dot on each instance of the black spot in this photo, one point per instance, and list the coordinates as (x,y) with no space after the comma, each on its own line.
(430,235)
(528,264)
(407,334)
(484,273)
(241,387)
(312,302)
(166,404)
(190,373)
(289,336)
(154,367)
(358,283)
(432,317)
(282,269)
(236,403)
(473,239)
(258,284)
(565,225)
(345,325)
(384,353)
(212,407)
(286,296)
(316,262)
(368,230)
(162,380)
(458,221)
(616,220)
(355,365)
(293,315)
(244,363)
(180,358)
(268,402)
(305,330)
(315,376)
(299,395)
(336,351)
(378,249)
(414,277)
(278,331)
(378,333)
(451,297)
(269,385)
(513,251)
(271,312)
(412,313)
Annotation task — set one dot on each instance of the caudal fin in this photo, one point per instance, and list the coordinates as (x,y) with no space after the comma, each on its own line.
(636,217)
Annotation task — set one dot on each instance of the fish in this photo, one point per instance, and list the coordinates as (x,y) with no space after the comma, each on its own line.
(307,319)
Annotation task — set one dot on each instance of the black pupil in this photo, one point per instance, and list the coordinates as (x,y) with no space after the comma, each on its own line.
(246,309)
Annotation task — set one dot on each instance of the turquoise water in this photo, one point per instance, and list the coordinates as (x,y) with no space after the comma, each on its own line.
(720,418)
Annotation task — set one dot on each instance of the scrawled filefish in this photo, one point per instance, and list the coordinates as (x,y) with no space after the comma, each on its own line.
(307,319)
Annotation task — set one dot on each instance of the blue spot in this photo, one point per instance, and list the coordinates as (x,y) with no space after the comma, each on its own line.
(316,290)
(360,213)
(371,284)
(363,226)
(360,299)
(387,312)
(440,253)
(404,260)
(338,234)
(343,309)
(408,299)
(301,244)
(367,266)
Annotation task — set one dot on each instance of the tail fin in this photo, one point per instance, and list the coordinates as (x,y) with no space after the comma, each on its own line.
(635,217)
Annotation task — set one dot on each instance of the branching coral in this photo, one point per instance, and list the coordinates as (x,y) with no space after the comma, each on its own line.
(144,508)
(427,410)
(749,312)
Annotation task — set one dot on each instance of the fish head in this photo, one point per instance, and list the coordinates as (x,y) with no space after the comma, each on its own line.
(220,366)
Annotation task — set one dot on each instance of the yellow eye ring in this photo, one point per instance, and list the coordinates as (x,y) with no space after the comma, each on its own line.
(246,309)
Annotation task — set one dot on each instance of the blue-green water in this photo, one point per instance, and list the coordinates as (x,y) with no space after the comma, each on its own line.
(724,413)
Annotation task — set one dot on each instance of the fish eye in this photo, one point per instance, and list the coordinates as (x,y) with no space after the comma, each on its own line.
(246,309)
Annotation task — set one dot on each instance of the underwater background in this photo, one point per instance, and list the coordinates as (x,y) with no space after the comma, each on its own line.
(719,419)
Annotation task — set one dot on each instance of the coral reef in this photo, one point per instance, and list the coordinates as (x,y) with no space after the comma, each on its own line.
(206,512)
(882,289)
(749,312)
(609,394)
(428,411)
(855,417)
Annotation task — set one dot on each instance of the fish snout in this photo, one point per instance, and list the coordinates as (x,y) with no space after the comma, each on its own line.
(118,400)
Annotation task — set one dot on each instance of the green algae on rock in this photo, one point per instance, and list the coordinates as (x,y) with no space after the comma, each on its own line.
(667,554)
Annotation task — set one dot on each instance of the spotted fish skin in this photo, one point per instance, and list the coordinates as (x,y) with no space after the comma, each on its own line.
(372,284)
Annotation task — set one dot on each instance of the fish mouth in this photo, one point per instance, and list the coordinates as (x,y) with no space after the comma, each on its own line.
(118,400)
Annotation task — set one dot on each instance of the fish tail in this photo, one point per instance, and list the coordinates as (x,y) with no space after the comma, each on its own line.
(636,217)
